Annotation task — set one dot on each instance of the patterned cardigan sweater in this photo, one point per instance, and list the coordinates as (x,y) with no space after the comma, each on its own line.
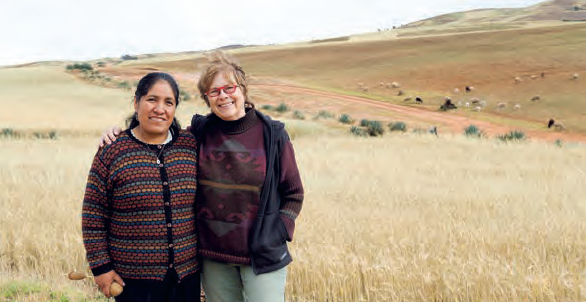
(138,215)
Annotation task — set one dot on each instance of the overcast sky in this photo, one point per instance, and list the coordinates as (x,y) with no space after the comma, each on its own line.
(33,30)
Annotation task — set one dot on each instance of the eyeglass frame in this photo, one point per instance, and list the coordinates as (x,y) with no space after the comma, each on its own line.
(222,88)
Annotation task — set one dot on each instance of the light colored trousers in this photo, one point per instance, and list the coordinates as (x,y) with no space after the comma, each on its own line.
(238,283)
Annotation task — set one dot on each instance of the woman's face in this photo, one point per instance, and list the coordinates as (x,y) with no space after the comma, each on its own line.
(229,103)
(156,110)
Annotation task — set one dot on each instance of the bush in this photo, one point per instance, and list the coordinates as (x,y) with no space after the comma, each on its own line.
(128,57)
(9,132)
(375,128)
(473,131)
(298,115)
(512,136)
(398,126)
(364,122)
(79,66)
(358,131)
(282,108)
(559,142)
(324,114)
(185,96)
(345,119)
(123,85)
(266,107)
(101,64)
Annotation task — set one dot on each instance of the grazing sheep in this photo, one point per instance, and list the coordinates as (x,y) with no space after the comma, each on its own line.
(395,85)
(459,103)
(400,93)
(501,106)
(365,89)
(550,123)
(388,85)
(482,103)
(517,107)
(382,84)
(477,108)
(418,100)
(536,98)
(469,88)
(575,76)
(467,104)
(533,77)
(407,99)
(518,80)
(542,75)
(475,100)
(456,90)
(558,126)
(448,105)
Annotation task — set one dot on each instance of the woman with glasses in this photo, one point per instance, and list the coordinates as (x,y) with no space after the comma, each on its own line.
(249,190)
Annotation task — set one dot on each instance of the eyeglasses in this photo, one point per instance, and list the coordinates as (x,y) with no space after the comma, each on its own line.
(228,89)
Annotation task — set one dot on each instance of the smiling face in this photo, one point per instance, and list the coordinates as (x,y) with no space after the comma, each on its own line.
(228,107)
(155,112)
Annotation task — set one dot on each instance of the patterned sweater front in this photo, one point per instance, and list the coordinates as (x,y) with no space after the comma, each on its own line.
(138,215)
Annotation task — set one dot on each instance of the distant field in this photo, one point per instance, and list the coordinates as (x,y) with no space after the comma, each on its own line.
(433,66)
(43,98)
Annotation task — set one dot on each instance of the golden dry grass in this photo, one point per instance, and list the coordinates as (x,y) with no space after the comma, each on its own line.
(400,218)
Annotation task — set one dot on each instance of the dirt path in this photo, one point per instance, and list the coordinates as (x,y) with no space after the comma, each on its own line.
(455,123)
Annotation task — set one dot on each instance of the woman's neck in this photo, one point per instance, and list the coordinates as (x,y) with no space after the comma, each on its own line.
(150,138)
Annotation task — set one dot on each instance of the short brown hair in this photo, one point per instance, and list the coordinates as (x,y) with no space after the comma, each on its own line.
(219,62)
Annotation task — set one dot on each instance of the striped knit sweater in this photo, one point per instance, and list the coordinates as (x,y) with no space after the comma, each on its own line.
(138,215)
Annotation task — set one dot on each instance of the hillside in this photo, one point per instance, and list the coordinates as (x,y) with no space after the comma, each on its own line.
(541,14)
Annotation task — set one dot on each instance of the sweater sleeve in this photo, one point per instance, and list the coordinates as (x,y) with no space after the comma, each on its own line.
(290,188)
(94,218)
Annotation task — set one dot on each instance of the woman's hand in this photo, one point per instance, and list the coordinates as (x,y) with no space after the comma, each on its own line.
(104,280)
(109,136)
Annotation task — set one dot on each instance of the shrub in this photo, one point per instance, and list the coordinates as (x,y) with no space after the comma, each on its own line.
(128,57)
(282,108)
(80,66)
(101,64)
(345,119)
(512,136)
(185,96)
(473,131)
(123,85)
(559,142)
(298,115)
(398,126)
(266,107)
(358,131)
(8,132)
(364,122)
(375,128)
(323,114)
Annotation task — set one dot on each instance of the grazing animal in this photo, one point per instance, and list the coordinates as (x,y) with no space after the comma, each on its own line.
(382,84)
(477,108)
(407,99)
(482,103)
(542,74)
(469,88)
(475,100)
(400,93)
(395,85)
(418,100)
(536,98)
(517,107)
(575,76)
(467,104)
(365,88)
(448,105)
(456,90)
(550,123)
(518,80)
(533,77)
(501,105)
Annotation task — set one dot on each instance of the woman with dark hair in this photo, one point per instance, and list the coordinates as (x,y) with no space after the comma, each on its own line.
(138,219)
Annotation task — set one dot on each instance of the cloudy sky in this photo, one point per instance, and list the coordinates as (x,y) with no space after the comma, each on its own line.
(33,30)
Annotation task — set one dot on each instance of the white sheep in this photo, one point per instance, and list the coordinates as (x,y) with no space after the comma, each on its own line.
(559,126)
(518,80)
(533,77)
(467,104)
(395,85)
(477,108)
(482,103)
(456,90)
(575,76)
(517,107)
(501,106)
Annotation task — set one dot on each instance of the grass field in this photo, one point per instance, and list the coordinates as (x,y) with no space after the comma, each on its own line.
(399,218)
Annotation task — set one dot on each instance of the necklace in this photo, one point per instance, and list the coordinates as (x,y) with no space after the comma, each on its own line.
(161,146)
